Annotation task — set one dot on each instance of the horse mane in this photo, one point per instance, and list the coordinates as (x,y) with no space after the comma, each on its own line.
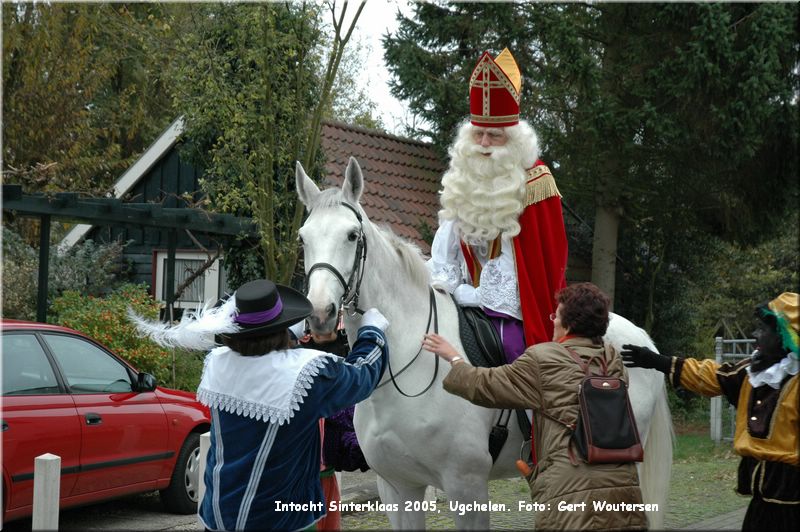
(409,253)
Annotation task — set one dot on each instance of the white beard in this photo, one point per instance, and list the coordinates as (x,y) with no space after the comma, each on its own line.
(486,195)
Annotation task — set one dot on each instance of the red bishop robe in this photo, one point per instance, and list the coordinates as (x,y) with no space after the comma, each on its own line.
(540,254)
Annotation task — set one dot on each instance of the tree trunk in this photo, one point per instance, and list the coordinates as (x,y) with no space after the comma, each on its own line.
(611,172)
(604,249)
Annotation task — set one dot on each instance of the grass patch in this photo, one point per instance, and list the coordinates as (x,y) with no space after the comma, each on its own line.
(703,479)
(696,446)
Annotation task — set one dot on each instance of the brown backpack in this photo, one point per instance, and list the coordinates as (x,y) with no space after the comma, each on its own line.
(605,431)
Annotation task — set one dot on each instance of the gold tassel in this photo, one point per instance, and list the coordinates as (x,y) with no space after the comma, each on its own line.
(541,185)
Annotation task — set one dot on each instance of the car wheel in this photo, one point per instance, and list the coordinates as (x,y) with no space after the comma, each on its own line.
(180,497)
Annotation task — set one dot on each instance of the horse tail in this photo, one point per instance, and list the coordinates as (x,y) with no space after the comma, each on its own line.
(657,466)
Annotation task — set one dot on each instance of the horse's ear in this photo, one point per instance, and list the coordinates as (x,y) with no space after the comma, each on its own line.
(307,190)
(353,184)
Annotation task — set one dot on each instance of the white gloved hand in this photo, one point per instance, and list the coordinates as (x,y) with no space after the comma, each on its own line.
(467,295)
(440,286)
(298,329)
(374,318)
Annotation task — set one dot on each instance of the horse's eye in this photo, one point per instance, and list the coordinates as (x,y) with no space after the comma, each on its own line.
(352,237)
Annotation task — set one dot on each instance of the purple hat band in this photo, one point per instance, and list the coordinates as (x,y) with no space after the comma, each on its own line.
(257,318)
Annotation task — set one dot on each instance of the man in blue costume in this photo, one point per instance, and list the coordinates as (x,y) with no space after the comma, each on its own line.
(266,400)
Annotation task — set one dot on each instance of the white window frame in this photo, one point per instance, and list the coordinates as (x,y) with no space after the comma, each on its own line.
(211,278)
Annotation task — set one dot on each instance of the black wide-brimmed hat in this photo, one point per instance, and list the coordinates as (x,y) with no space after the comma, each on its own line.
(264,308)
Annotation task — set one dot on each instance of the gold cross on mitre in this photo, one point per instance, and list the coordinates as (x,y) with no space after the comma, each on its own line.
(506,74)
(495,87)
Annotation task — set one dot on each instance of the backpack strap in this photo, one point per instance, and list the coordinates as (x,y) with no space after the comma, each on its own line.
(576,357)
(585,365)
(570,426)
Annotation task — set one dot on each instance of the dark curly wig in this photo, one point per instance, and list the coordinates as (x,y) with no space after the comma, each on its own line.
(584,311)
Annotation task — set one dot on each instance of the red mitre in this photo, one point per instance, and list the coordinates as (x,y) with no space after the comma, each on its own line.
(494,90)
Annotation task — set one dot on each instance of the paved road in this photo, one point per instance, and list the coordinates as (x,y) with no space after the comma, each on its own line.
(144,512)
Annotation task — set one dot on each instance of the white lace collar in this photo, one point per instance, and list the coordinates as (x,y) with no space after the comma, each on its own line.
(774,375)
(268,388)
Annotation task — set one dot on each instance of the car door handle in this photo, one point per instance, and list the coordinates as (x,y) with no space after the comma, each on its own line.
(5,426)
(93,419)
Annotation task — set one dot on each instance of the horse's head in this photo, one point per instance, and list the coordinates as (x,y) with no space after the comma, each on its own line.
(333,243)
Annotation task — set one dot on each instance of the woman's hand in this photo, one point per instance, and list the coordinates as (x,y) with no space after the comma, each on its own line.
(437,344)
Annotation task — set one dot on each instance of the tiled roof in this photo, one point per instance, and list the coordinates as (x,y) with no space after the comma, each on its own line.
(401,177)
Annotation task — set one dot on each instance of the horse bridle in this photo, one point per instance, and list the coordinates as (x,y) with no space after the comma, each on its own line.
(349,301)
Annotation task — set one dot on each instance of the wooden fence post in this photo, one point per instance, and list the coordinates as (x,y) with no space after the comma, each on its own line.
(205,443)
(46,488)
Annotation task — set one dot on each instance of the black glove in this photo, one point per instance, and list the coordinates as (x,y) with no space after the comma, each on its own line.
(635,356)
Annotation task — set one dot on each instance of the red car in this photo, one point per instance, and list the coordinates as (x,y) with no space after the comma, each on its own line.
(115,430)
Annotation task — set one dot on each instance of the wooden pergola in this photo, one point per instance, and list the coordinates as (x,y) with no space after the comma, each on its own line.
(113,212)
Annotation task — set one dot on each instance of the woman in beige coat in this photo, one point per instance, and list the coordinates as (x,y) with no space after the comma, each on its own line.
(546,378)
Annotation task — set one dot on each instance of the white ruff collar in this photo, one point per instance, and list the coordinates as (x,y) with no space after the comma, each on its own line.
(774,375)
(267,388)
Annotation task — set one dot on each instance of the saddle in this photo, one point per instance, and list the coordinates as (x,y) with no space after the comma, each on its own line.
(484,349)
(479,338)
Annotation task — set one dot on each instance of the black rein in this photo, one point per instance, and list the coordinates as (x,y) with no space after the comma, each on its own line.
(432,312)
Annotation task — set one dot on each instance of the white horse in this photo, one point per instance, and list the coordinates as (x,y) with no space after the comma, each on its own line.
(424,435)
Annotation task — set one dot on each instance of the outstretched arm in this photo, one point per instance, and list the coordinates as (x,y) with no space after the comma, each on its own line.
(510,386)
(705,377)
(353,379)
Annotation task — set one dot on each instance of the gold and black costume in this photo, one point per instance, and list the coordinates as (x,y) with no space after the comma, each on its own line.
(767,421)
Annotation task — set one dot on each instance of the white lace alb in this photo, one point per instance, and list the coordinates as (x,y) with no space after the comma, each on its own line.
(499,290)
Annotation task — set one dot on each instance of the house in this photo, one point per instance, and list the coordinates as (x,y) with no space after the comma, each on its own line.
(401,179)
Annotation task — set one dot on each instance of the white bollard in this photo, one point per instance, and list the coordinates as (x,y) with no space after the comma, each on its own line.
(431,493)
(46,489)
(205,443)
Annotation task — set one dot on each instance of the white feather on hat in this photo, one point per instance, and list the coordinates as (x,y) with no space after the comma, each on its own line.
(195,331)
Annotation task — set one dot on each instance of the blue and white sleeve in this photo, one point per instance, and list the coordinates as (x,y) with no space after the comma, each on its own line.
(353,379)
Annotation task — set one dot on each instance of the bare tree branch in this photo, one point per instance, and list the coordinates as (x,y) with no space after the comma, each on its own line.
(201,269)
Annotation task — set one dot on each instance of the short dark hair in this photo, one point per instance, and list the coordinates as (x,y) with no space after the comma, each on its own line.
(584,310)
(258,345)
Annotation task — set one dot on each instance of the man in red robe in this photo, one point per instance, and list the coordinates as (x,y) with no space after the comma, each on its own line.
(501,242)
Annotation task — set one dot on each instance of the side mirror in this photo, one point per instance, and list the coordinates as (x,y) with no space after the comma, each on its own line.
(145,383)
